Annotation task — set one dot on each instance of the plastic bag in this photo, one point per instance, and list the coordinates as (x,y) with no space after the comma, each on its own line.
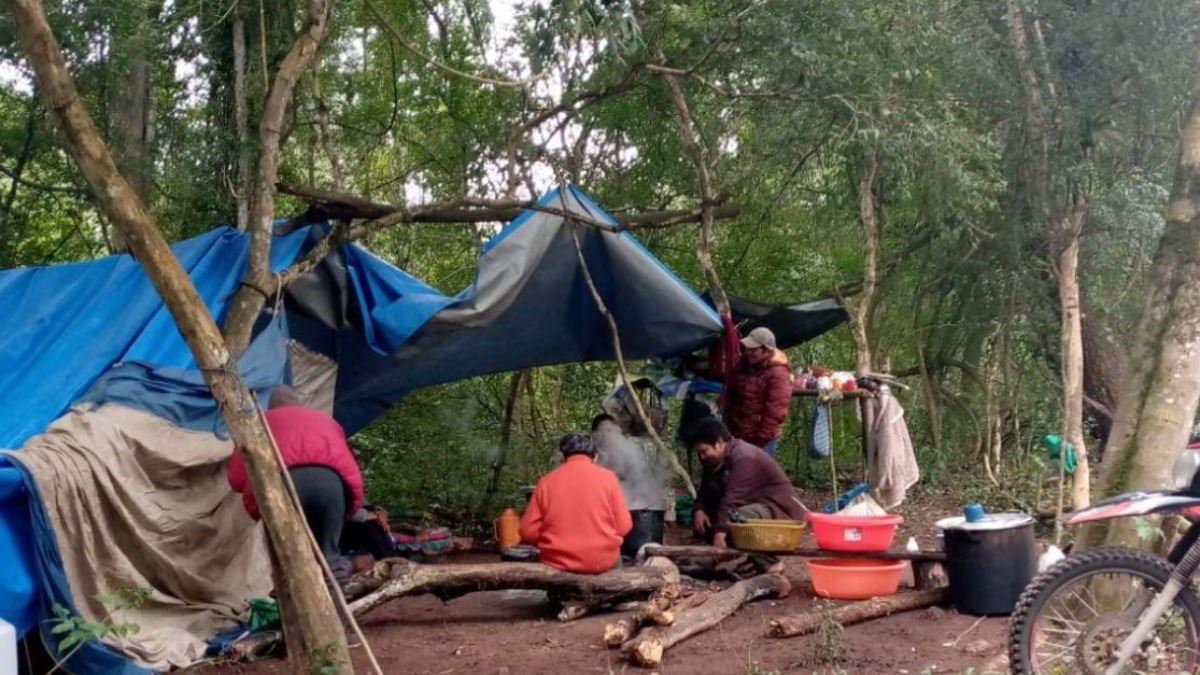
(862,505)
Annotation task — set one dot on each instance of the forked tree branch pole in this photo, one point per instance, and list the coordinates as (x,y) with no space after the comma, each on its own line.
(319,624)
(248,301)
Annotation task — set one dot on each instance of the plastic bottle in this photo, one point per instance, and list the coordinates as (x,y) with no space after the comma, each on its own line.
(8,648)
(508,528)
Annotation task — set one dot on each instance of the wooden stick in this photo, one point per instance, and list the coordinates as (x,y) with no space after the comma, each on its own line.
(628,381)
(648,647)
(339,600)
(858,612)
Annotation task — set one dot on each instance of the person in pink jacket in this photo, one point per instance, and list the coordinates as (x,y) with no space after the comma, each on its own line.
(321,465)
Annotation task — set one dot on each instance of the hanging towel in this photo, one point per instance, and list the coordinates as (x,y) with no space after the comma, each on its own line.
(892,467)
(819,439)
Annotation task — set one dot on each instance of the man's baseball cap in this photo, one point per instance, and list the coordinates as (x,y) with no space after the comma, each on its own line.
(759,337)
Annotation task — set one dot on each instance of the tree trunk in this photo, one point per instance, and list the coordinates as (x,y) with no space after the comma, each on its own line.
(932,394)
(325,130)
(131,107)
(397,578)
(243,184)
(1158,405)
(648,647)
(1063,224)
(1104,366)
(860,317)
(319,621)
(1070,227)
(693,143)
(860,313)
(257,286)
(858,612)
(512,407)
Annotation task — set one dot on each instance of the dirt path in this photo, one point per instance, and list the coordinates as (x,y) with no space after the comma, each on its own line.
(494,633)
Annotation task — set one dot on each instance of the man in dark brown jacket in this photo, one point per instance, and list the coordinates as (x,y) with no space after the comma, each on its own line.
(737,477)
(760,393)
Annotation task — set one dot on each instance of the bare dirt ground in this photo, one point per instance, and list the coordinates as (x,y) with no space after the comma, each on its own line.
(509,633)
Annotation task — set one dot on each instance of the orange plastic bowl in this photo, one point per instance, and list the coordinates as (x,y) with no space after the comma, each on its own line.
(856,534)
(855,578)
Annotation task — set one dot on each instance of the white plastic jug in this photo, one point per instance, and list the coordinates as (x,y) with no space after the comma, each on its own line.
(8,648)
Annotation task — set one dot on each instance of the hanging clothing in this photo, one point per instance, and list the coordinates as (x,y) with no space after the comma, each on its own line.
(820,438)
(892,465)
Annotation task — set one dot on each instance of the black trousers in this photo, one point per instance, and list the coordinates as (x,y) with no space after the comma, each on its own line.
(324,501)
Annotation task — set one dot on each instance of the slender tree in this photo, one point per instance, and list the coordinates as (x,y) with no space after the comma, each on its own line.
(1156,410)
(319,629)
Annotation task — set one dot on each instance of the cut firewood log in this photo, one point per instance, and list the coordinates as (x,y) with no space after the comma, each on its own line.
(648,647)
(857,612)
(695,599)
(396,578)
(653,610)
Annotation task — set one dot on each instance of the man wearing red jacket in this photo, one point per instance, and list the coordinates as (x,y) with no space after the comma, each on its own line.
(577,516)
(761,392)
(323,469)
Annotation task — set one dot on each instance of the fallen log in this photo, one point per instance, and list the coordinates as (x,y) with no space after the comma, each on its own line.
(858,612)
(648,647)
(396,578)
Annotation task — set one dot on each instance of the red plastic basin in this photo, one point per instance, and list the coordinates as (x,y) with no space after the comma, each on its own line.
(861,534)
(855,578)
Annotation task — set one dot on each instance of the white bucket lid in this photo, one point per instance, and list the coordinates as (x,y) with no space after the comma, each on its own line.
(990,522)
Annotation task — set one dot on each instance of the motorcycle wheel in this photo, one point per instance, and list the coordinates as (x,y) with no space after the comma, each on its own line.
(1072,618)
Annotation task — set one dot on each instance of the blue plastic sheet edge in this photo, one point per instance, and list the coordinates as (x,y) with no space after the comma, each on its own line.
(92,657)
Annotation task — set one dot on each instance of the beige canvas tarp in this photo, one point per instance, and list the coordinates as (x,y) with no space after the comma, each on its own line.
(138,502)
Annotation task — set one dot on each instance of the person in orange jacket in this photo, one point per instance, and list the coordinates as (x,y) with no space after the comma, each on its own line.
(577,517)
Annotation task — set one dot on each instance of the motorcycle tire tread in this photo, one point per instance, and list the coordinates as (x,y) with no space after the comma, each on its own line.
(1068,569)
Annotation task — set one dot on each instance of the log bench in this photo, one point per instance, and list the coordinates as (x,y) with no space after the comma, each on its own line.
(927,566)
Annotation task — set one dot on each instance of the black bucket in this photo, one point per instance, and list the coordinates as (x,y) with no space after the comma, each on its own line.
(989,562)
(648,527)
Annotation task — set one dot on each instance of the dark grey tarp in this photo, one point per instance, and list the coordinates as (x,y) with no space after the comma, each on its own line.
(791,324)
(529,306)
